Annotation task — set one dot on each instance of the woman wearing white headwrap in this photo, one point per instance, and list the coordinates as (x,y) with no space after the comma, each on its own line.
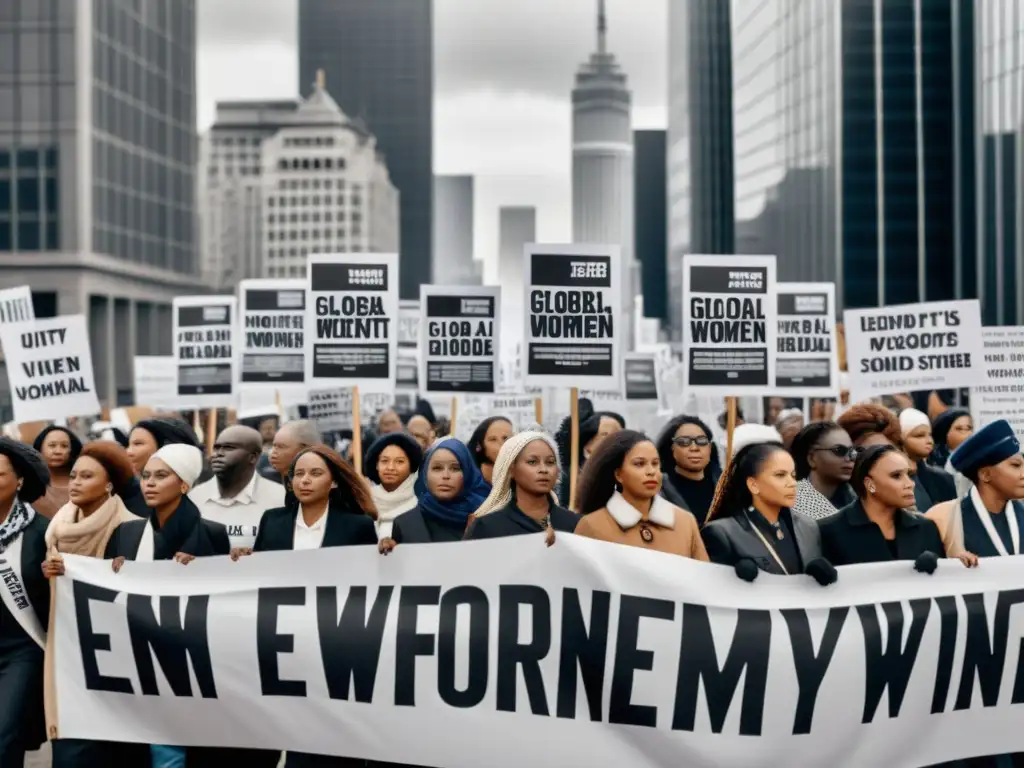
(931,485)
(522,498)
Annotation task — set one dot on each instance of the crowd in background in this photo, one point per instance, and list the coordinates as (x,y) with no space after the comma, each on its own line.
(881,482)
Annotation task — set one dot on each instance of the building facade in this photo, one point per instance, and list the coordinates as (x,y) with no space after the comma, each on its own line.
(378,56)
(650,233)
(97,170)
(517,226)
(453,232)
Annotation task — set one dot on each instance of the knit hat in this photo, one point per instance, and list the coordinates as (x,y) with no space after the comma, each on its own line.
(402,440)
(911,419)
(753,434)
(992,444)
(185,460)
(501,477)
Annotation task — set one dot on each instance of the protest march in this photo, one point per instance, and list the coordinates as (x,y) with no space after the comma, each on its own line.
(790,539)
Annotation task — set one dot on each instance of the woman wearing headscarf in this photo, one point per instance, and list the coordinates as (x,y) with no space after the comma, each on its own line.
(869,424)
(950,429)
(989,519)
(878,528)
(931,486)
(392,465)
(593,427)
(690,463)
(823,454)
(751,526)
(485,442)
(24,601)
(146,437)
(450,488)
(522,498)
(619,500)
(59,447)
(83,527)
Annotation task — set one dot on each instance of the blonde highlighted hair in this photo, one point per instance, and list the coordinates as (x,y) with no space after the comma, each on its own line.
(501,477)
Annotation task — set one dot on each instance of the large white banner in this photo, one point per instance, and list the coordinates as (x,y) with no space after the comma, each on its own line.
(582,654)
(1002,395)
(49,367)
(205,350)
(272,317)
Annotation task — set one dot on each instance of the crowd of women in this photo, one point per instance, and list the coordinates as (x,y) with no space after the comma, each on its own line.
(872,486)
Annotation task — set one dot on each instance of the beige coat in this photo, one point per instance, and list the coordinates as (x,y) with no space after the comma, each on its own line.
(950,523)
(673,530)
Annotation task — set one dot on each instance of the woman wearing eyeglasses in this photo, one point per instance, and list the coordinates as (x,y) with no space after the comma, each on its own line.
(690,463)
(823,454)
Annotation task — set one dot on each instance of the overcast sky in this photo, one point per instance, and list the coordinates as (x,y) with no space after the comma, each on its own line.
(503,72)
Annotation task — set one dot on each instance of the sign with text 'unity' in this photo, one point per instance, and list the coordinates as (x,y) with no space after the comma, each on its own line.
(459,328)
(574,324)
(204,348)
(272,317)
(352,311)
(547,656)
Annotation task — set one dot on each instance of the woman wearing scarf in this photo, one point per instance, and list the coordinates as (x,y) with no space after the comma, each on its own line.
(392,465)
(59,447)
(450,488)
(145,439)
(522,498)
(931,486)
(619,500)
(23,479)
(949,429)
(486,441)
(989,519)
(83,526)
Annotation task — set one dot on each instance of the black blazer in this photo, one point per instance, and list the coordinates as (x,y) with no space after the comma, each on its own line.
(207,540)
(849,537)
(343,529)
(33,553)
(937,483)
(729,539)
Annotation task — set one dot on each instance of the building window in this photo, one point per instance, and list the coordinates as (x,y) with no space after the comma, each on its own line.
(28,235)
(5,235)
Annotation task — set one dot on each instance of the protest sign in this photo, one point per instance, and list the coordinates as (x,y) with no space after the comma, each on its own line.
(351,315)
(520,410)
(459,349)
(407,377)
(547,656)
(16,305)
(271,333)
(204,348)
(331,409)
(729,324)
(1002,395)
(911,347)
(49,367)
(807,363)
(640,374)
(408,323)
(574,315)
(156,380)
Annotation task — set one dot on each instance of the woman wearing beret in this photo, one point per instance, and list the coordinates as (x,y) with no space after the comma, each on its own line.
(989,519)
(392,466)
(24,601)
(59,447)
(931,485)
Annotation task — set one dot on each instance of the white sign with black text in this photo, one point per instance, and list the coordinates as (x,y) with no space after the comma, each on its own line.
(156,381)
(1002,395)
(49,367)
(352,311)
(807,363)
(459,347)
(204,347)
(273,315)
(16,305)
(574,315)
(729,324)
(331,409)
(911,347)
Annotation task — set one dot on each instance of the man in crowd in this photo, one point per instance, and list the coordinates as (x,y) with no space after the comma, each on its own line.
(388,421)
(237,496)
(422,430)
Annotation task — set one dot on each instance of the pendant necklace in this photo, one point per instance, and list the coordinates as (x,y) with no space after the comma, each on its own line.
(645,532)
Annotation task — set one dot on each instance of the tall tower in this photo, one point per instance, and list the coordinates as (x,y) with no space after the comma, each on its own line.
(602,157)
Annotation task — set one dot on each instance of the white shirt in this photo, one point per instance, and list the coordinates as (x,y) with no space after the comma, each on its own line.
(309,536)
(241,514)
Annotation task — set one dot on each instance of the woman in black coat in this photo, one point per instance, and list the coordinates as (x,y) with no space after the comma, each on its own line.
(877,528)
(24,601)
(691,467)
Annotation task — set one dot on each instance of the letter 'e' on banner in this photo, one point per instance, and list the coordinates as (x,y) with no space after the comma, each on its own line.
(574,316)
(807,363)
(729,325)
(352,311)
(272,316)
(459,345)
(204,348)
(49,367)
(912,347)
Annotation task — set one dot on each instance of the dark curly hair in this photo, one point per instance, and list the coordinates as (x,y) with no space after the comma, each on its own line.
(167,430)
(475,444)
(664,442)
(731,494)
(597,481)
(28,466)
(865,461)
(865,419)
(114,460)
(76,444)
(805,441)
(352,494)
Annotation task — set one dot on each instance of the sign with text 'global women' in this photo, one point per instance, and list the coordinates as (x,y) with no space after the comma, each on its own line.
(577,655)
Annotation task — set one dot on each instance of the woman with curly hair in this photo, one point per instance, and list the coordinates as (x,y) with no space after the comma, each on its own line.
(689,460)
(619,500)
(868,424)
(823,454)
(59,447)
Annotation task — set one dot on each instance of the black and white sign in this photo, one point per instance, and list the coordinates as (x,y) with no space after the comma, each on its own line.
(729,324)
(1002,395)
(408,376)
(807,363)
(331,409)
(204,347)
(49,367)
(459,347)
(352,311)
(272,318)
(574,318)
(911,347)
(156,381)
(16,305)
(408,323)
(641,376)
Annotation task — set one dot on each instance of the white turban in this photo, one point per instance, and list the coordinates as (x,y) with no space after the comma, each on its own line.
(186,461)
(753,434)
(911,419)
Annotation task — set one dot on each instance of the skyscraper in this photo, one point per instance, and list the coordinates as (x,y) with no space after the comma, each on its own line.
(453,232)
(602,157)
(651,224)
(517,226)
(97,169)
(378,57)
